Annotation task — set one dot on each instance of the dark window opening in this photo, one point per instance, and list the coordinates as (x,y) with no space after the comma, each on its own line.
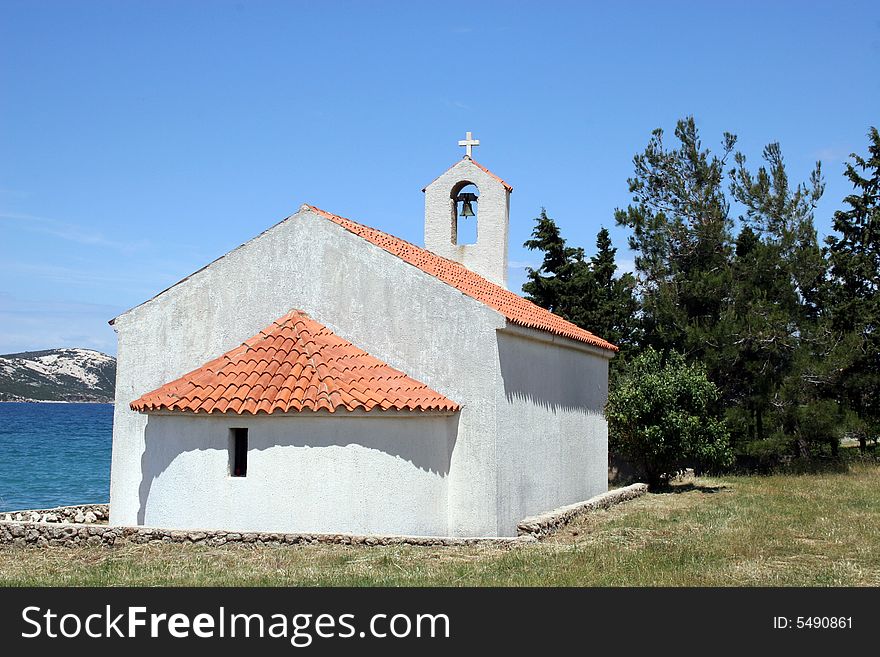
(238,449)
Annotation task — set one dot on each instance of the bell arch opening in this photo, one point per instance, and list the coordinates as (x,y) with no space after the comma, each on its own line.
(465,221)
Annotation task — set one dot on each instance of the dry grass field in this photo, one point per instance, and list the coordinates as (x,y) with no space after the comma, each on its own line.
(781,530)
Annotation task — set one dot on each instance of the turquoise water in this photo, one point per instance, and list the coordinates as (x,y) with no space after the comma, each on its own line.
(54,454)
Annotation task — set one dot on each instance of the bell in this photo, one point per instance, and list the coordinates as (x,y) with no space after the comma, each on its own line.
(466,209)
(466,199)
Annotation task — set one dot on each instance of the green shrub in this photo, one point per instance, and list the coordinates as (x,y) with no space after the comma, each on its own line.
(802,435)
(662,416)
(766,455)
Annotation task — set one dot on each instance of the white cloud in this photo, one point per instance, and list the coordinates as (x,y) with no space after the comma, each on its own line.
(36,325)
(831,154)
(626,265)
(70,232)
(59,273)
(458,104)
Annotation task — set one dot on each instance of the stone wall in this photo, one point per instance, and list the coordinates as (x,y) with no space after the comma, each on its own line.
(53,527)
(88,514)
(547,523)
(45,534)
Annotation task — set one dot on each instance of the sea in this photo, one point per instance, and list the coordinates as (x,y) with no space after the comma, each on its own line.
(54,454)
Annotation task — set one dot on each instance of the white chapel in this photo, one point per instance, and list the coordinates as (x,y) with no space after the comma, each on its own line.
(327,376)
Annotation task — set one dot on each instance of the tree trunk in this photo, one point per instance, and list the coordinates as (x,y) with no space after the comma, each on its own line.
(803,448)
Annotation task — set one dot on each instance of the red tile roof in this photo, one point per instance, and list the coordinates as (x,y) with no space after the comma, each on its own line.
(516,309)
(480,166)
(296,364)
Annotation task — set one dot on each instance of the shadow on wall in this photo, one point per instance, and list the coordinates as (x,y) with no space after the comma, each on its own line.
(555,378)
(166,437)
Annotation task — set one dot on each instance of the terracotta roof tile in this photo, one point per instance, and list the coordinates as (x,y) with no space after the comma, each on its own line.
(516,309)
(315,370)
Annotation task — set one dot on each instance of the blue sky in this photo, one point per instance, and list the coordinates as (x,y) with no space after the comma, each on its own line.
(140,140)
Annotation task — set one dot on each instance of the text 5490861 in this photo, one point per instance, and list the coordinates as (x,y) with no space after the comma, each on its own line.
(812,623)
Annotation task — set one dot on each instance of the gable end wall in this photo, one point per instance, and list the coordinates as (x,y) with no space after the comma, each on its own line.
(385,306)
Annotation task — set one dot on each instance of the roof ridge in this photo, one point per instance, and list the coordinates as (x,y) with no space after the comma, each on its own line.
(514,307)
(454,263)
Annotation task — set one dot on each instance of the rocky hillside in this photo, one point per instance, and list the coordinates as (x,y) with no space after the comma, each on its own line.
(58,375)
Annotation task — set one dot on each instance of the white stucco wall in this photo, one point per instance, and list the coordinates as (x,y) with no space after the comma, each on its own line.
(552,441)
(385,306)
(349,472)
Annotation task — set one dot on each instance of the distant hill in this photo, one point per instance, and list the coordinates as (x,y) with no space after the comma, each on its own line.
(73,375)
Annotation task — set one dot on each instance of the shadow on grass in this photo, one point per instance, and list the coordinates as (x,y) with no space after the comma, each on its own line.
(818,464)
(814,466)
(689,488)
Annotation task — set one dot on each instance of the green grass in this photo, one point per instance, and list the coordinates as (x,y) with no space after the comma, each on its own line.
(788,530)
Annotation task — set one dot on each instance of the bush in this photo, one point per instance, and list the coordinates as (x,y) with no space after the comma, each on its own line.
(766,455)
(662,416)
(819,427)
(813,427)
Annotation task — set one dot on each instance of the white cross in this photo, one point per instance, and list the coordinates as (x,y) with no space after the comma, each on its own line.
(469,142)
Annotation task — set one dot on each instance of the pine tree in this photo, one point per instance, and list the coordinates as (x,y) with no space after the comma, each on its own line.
(762,344)
(604,303)
(549,285)
(854,256)
(585,292)
(750,311)
(681,233)
(783,217)
(777,323)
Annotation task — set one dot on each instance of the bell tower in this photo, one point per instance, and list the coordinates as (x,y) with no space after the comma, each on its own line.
(467,212)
